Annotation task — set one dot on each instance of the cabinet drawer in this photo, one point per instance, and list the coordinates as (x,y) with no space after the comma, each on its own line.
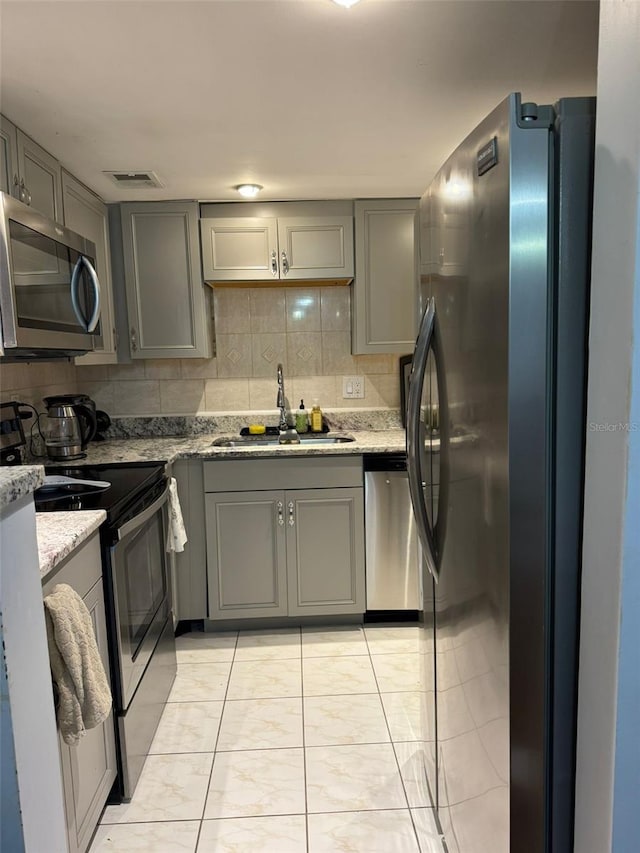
(81,570)
(319,472)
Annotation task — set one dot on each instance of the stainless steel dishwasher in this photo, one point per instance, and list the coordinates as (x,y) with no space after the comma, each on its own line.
(393,554)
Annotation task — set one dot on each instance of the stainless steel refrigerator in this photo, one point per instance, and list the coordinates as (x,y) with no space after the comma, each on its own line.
(495,442)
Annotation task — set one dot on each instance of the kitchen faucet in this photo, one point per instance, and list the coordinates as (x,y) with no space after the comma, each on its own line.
(281,401)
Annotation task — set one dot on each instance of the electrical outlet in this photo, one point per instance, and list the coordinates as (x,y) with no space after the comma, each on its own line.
(352,387)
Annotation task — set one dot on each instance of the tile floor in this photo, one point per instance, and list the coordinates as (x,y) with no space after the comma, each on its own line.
(284,742)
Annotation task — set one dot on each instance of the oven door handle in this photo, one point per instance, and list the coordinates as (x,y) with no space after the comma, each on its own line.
(144,516)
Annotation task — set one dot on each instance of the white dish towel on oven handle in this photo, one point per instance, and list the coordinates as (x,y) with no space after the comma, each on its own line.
(176,534)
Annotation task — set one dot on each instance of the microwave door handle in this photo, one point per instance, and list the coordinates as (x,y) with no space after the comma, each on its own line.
(95,316)
(75,282)
(90,324)
(143,517)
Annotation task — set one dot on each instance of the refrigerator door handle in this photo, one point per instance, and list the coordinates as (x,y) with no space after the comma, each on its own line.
(414,470)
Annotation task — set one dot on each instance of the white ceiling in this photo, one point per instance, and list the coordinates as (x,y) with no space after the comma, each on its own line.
(305,97)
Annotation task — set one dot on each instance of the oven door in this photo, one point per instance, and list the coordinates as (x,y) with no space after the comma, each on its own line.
(140,577)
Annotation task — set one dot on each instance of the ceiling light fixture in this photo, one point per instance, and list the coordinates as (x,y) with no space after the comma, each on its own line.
(248,190)
(346,3)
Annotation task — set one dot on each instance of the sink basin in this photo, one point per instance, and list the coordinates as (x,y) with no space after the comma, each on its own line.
(273,441)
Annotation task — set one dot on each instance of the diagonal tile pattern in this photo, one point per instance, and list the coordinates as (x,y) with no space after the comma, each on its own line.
(285,741)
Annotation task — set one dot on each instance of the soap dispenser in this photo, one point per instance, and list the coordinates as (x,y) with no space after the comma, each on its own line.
(302,419)
(316,417)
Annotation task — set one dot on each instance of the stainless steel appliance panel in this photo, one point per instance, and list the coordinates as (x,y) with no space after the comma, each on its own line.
(504,240)
(139,574)
(392,552)
(49,292)
(138,724)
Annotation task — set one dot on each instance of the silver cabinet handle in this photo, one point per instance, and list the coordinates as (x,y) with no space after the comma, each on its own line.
(280,506)
(16,186)
(134,340)
(291,518)
(274,263)
(23,194)
(285,263)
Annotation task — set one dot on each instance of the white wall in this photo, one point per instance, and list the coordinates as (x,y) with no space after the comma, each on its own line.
(607,788)
(36,756)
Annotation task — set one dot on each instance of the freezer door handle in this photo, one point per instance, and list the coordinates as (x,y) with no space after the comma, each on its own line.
(416,480)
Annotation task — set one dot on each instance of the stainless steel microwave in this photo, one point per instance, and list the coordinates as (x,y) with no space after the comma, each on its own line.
(49,289)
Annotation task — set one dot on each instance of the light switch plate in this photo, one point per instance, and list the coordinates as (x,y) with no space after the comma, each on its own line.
(353,387)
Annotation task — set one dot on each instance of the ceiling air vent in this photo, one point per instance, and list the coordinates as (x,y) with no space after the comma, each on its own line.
(135,180)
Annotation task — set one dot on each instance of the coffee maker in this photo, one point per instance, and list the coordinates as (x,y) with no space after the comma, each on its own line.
(70,425)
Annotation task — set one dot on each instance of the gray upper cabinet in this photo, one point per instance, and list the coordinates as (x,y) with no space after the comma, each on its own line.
(169,315)
(9,180)
(40,178)
(276,248)
(29,172)
(315,247)
(85,213)
(384,289)
(239,248)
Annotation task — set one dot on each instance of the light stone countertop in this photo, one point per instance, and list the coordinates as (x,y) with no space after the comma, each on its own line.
(60,533)
(19,480)
(193,447)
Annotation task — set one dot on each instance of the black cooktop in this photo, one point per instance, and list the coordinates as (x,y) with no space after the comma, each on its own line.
(130,484)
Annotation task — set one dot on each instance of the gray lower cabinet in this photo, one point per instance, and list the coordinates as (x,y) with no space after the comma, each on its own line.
(287,551)
(325,560)
(88,769)
(246,554)
(189,567)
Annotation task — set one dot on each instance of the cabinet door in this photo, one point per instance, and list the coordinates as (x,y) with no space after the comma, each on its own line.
(166,301)
(8,157)
(325,551)
(86,214)
(384,289)
(42,176)
(316,247)
(239,249)
(89,768)
(246,561)
(190,566)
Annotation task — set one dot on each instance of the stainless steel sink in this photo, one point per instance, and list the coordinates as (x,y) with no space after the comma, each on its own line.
(274,441)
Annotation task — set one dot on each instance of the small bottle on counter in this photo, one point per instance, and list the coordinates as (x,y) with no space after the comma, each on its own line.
(316,417)
(302,419)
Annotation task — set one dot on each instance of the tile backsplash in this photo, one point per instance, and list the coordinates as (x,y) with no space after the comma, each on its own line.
(31,382)
(307,329)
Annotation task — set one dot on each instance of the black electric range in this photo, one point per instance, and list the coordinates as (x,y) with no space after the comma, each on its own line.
(132,486)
